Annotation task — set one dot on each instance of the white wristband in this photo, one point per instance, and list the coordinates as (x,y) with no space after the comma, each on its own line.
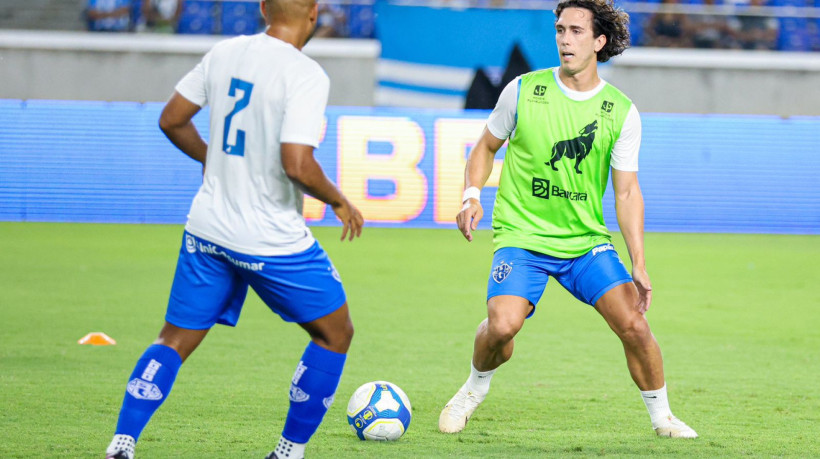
(471,193)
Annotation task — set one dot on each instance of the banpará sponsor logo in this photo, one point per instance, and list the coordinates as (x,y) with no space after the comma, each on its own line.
(541,188)
(211,249)
(567,194)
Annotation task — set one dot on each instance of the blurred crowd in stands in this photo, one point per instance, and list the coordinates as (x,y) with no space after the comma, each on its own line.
(754,25)
(226,17)
(791,25)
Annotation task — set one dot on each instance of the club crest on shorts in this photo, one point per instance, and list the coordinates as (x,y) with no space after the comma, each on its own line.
(190,243)
(501,272)
(334,273)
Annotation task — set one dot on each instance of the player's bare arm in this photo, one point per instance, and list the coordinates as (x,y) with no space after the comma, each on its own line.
(629,209)
(302,168)
(175,122)
(479,167)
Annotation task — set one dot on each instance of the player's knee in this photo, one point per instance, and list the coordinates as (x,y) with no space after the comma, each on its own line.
(501,332)
(183,341)
(634,330)
(337,339)
(347,333)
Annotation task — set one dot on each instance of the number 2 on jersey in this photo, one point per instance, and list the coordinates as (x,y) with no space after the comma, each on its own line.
(238,148)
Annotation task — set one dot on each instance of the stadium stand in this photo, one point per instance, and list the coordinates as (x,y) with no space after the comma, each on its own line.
(798,21)
(794,34)
(361,21)
(241,18)
(42,14)
(198,17)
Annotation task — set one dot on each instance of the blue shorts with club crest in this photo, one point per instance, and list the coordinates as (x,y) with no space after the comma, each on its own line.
(211,282)
(525,273)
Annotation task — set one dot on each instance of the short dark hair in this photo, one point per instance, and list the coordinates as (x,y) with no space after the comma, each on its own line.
(607,20)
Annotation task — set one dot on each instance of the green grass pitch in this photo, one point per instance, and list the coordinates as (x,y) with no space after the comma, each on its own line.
(737,317)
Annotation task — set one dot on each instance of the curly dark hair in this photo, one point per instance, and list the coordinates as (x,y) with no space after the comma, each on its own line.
(607,20)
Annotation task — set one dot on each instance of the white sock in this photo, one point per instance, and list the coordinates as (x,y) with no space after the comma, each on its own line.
(289,449)
(657,404)
(479,381)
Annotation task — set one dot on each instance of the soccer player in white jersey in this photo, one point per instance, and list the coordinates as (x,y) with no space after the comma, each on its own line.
(245,226)
(567,129)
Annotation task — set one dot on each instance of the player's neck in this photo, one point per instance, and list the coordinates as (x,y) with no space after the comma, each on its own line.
(288,34)
(585,80)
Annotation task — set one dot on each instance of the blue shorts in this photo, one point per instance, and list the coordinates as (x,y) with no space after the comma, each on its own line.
(211,282)
(525,273)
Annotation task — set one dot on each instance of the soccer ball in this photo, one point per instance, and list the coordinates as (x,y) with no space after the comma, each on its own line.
(379,410)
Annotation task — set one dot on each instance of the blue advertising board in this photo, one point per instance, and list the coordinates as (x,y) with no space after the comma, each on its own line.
(108,162)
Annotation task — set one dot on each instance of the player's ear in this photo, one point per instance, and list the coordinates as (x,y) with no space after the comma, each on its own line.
(314,13)
(600,42)
(264,11)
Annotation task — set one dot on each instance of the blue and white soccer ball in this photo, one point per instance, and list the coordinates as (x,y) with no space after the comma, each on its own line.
(380,411)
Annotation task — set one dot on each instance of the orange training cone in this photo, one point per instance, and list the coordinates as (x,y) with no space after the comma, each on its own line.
(97,339)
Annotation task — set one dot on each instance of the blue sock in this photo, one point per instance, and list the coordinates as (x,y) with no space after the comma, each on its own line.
(311,391)
(147,388)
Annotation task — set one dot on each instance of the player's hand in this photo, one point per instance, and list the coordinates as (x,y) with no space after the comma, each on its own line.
(350,217)
(469,217)
(641,279)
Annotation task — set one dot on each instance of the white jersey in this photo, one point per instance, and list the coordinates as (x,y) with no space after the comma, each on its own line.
(502,122)
(262,92)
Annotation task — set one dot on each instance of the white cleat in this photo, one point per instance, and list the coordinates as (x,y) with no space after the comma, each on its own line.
(458,410)
(121,447)
(675,428)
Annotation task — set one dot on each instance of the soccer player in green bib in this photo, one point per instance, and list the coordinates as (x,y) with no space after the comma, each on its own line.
(566,128)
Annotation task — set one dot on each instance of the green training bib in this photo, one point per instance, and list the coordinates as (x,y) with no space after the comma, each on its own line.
(556,168)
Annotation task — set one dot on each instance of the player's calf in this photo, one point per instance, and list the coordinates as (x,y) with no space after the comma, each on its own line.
(148,387)
(312,391)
